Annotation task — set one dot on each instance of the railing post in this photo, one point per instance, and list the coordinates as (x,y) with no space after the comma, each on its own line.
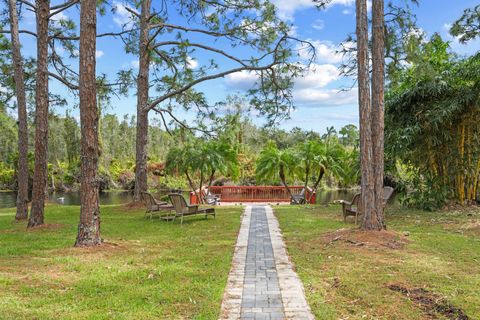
(193,198)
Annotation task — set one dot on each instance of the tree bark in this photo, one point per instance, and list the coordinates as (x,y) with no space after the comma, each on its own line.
(377,222)
(22,169)
(89,226)
(39,191)
(367,200)
(141,183)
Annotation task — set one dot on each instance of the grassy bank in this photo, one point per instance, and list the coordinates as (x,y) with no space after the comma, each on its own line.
(146,269)
(426,267)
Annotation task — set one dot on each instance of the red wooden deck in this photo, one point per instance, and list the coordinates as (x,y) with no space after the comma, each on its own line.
(254,194)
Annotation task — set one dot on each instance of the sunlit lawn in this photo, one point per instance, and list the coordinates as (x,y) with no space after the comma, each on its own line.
(350,281)
(148,269)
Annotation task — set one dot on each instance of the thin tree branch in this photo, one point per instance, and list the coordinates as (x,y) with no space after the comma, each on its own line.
(20,31)
(59,36)
(64,81)
(171,94)
(62,7)
(198,45)
(31,5)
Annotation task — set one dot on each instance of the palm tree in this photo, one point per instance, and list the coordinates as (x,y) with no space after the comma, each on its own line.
(203,159)
(310,155)
(274,163)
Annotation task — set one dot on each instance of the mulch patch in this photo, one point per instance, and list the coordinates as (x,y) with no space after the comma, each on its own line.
(368,239)
(431,304)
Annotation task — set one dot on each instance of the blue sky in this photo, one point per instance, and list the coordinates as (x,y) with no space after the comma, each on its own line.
(318,99)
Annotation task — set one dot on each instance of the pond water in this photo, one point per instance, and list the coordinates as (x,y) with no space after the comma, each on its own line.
(8,199)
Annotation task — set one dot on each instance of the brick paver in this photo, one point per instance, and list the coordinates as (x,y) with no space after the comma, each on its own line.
(262,283)
(261,291)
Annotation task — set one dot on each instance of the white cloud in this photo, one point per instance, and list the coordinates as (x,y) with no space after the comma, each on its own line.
(58,17)
(99,54)
(287,8)
(122,17)
(347,11)
(309,89)
(242,80)
(192,63)
(318,76)
(318,24)
(326,51)
(325,97)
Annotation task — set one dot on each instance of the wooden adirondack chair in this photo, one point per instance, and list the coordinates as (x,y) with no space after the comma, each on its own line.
(298,198)
(352,208)
(183,209)
(210,198)
(152,205)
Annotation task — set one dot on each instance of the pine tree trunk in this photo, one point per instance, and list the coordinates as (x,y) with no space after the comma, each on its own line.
(39,191)
(89,226)
(22,169)
(367,200)
(377,222)
(141,183)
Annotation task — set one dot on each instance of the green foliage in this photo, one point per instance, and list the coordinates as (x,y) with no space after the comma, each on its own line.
(467,27)
(274,164)
(200,159)
(305,161)
(349,136)
(7,176)
(427,193)
(432,123)
(8,139)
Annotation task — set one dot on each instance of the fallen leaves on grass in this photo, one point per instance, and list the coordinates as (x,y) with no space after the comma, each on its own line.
(368,239)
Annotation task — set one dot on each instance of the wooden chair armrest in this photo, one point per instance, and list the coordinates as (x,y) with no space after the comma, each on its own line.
(346,203)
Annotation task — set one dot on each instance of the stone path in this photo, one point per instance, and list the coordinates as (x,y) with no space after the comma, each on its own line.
(262,283)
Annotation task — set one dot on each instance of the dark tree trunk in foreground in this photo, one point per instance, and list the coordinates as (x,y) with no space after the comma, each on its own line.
(141,184)
(367,201)
(22,169)
(39,190)
(89,226)
(377,222)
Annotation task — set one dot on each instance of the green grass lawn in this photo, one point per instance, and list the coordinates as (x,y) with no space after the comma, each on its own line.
(147,269)
(345,280)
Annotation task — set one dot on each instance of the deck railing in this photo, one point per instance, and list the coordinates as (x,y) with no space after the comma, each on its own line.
(254,194)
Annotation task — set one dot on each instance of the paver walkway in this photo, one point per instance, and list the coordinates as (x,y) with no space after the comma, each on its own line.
(262,283)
